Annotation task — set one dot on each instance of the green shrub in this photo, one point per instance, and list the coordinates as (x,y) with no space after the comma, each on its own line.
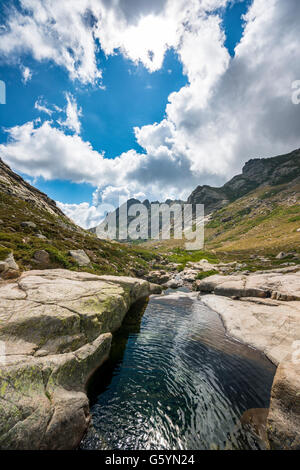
(213,224)
(4,252)
(205,274)
(182,257)
(59,257)
(295,219)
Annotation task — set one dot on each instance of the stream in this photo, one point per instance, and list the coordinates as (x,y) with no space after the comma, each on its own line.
(176,381)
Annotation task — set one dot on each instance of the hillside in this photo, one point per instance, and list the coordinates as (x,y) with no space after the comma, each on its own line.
(40,236)
(266,218)
(263,209)
(257,213)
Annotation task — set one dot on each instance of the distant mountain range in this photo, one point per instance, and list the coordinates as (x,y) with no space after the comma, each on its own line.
(257,173)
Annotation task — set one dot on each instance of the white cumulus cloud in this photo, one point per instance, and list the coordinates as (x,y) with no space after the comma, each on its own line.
(67,32)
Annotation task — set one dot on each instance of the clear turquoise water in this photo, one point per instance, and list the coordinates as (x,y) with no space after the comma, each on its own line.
(174,380)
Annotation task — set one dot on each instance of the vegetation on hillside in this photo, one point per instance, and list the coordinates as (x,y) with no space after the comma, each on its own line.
(266,220)
(61,236)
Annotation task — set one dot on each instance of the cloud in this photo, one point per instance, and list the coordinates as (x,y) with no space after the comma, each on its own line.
(232,109)
(52,30)
(41,106)
(84,214)
(40,149)
(73,113)
(141,30)
(26,74)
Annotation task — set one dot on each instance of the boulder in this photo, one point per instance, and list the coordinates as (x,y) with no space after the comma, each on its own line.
(41,256)
(10,274)
(28,225)
(157,277)
(3,267)
(41,237)
(173,283)
(56,327)
(80,257)
(9,268)
(283,255)
(10,261)
(189,275)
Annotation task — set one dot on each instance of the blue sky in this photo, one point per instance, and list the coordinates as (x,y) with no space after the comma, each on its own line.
(132,97)
(165,99)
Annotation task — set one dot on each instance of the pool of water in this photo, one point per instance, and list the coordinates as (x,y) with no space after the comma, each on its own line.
(174,380)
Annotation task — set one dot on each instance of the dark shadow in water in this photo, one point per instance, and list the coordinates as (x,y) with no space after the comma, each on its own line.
(131,325)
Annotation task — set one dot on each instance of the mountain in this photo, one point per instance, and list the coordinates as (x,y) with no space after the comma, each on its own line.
(146,222)
(256,210)
(239,211)
(257,172)
(39,235)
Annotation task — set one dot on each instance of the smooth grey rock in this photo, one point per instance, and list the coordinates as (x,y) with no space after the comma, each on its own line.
(269,284)
(10,261)
(80,257)
(56,326)
(268,325)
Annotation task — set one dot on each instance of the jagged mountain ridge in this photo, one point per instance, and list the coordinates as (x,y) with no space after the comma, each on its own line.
(256,172)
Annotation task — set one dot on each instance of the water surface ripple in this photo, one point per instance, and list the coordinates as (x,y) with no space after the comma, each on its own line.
(174,380)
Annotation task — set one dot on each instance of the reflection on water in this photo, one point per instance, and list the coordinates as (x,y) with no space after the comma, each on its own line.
(174,380)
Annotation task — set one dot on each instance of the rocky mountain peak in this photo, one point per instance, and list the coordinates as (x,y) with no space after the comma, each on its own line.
(256,172)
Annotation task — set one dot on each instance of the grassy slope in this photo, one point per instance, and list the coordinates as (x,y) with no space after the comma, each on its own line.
(260,224)
(264,222)
(62,236)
